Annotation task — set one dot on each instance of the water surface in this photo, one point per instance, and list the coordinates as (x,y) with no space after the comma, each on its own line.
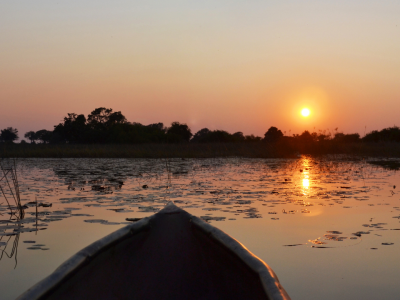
(329,228)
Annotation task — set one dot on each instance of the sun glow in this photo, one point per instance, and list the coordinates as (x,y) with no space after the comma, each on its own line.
(306,183)
(305,112)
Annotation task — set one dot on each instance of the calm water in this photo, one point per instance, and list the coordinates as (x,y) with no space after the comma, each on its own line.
(329,228)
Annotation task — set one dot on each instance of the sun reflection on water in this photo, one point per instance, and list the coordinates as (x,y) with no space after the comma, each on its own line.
(305,178)
(306,183)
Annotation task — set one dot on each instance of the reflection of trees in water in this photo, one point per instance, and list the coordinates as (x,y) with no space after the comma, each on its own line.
(393,165)
(106,175)
(101,178)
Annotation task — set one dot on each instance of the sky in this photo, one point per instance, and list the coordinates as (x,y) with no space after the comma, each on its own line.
(231,65)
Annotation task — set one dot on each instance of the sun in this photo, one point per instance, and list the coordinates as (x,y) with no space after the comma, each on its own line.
(305,112)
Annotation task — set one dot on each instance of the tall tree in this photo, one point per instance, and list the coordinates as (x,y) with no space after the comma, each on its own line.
(102,117)
(273,134)
(9,134)
(201,136)
(31,135)
(99,116)
(104,125)
(238,136)
(73,130)
(179,132)
(44,136)
(307,137)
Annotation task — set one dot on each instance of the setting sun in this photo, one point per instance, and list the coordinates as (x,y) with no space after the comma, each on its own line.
(305,112)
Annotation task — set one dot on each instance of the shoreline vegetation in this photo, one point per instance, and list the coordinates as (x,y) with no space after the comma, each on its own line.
(107,134)
(279,149)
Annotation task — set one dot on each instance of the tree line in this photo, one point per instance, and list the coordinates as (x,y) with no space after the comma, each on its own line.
(103,125)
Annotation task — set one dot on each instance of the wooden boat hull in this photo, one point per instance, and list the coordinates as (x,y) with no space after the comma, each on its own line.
(170,255)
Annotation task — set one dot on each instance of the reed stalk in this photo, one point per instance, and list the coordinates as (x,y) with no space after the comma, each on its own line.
(13,188)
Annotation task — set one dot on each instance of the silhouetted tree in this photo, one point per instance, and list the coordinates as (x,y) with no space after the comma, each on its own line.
(238,137)
(219,136)
(73,130)
(215,136)
(251,138)
(306,137)
(179,132)
(346,138)
(105,126)
(102,117)
(45,136)
(9,134)
(201,136)
(273,135)
(100,123)
(31,135)
(155,133)
(116,118)
(99,116)
(322,136)
(391,134)
(135,133)
(157,126)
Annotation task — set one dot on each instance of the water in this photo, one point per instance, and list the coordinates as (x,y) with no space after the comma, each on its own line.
(329,228)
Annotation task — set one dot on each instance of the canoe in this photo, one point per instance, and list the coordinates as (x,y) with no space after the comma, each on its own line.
(170,255)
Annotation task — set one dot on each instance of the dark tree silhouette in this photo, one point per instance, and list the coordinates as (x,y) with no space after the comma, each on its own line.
(104,126)
(103,117)
(346,138)
(238,136)
(155,132)
(179,132)
(9,134)
(307,137)
(391,134)
(201,136)
(99,116)
(273,135)
(31,135)
(323,136)
(251,138)
(73,130)
(219,136)
(157,126)
(116,118)
(45,136)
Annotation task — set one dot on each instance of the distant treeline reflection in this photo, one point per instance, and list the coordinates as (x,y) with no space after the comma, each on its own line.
(103,126)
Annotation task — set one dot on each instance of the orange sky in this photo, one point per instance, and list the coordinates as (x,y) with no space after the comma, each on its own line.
(231,65)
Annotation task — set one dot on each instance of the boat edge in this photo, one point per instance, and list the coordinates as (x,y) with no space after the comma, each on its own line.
(77,260)
(269,279)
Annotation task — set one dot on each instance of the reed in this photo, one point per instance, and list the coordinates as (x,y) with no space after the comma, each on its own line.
(11,187)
